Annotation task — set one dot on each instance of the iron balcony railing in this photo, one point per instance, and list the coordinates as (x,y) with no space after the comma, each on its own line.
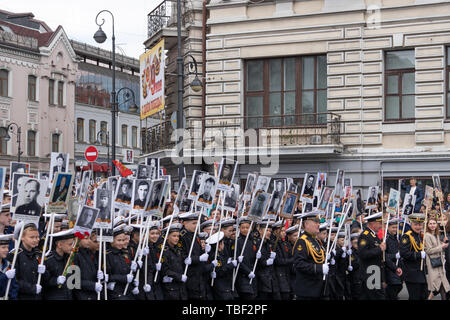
(160,17)
(240,131)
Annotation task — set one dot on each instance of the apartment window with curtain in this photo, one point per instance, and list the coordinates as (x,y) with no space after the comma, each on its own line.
(51,92)
(104,128)
(55,142)
(400,85)
(124,135)
(92,127)
(32,88)
(3,146)
(31,143)
(134,136)
(60,93)
(4,82)
(80,129)
(277,88)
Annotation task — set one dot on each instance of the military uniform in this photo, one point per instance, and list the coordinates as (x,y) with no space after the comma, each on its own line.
(371,256)
(5,266)
(283,266)
(246,290)
(268,288)
(173,268)
(118,267)
(411,246)
(394,282)
(354,274)
(87,261)
(55,265)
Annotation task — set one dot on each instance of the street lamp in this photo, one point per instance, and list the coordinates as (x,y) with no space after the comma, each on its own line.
(103,133)
(100,37)
(6,137)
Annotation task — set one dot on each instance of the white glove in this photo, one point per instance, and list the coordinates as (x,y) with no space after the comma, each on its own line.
(41,268)
(147,288)
(167,279)
(269,262)
(229,261)
(139,252)
(135,291)
(349,251)
(98,287)
(240,258)
(129,278)
(328,256)
(61,280)
(188,261)
(234,262)
(214,263)
(111,285)
(343,254)
(133,266)
(258,255)
(207,247)
(333,262)
(334,251)
(146,251)
(344,249)
(273,255)
(38,288)
(184,278)
(106,277)
(213,274)
(139,264)
(100,275)
(397,255)
(350,268)
(158,266)
(423,254)
(136,282)
(325,269)
(251,275)
(10,273)
(204,257)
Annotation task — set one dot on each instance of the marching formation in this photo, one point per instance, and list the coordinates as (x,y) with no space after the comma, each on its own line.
(131,237)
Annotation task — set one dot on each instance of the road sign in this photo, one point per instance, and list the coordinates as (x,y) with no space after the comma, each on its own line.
(91,154)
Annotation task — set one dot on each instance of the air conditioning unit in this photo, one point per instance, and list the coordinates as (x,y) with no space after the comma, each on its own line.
(316,139)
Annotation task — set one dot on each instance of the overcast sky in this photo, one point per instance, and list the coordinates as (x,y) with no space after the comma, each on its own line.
(78,19)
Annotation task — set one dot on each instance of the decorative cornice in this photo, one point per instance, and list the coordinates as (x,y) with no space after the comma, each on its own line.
(60,36)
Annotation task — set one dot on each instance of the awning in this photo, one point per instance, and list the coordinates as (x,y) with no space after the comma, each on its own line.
(98,167)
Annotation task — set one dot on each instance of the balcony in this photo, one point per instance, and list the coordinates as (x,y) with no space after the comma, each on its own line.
(292,134)
(162,23)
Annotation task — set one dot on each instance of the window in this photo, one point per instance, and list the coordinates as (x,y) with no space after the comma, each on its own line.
(278,88)
(4,83)
(400,85)
(31,143)
(60,93)
(80,129)
(448,83)
(51,92)
(55,142)
(3,146)
(92,127)
(32,88)
(104,128)
(124,135)
(134,137)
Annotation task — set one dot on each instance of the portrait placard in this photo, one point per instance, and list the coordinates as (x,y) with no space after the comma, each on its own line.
(103,202)
(408,204)
(195,184)
(155,197)
(372,197)
(249,186)
(31,200)
(60,194)
(207,192)
(85,219)
(17,167)
(309,185)
(289,204)
(394,198)
(259,205)
(59,162)
(227,170)
(231,198)
(124,193)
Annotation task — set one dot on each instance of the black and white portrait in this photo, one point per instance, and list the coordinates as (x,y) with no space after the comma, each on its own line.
(275,202)
(289,205)
(31,199)
(250,184)
(86,219)
(153,162)
(17,167)
(103,202)
(408,204)
(226,174)
(167,189)
(309,185)
(437,182)
(112,184)
(124,193)
(293,187)
(207,191)
(321,182)
(178,200)
(59,162)
(17,186)
(372,197)
(195,183)
(358,202)
(262,183)
(156,194)
(141,193)
(259,204)
(43,175)
(84,186)
(348,188)
(72,210)
(144,171)
(231,198)
(279,185)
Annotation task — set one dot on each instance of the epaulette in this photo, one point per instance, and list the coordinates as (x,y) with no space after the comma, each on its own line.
(108,251)
(182,232)
(366,232)
(408,232)
(179,244)
(304,237)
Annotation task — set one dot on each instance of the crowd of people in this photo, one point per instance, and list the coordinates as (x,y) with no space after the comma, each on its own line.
(217,255)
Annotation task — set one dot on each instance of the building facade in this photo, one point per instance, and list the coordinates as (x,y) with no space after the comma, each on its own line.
(37,90)
(360,85)
(93,107)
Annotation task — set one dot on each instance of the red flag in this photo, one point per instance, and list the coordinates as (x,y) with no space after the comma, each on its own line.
(124,171)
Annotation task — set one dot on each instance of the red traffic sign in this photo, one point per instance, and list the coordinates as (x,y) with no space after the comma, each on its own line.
(91,154)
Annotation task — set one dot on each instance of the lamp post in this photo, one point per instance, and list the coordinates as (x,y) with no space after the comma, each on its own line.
(6,137)
(102,133)
(100,37)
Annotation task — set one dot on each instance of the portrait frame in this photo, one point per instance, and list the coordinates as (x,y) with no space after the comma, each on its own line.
(60,206)
(306,197)
(224,183)
(40,200)
(83,224)
(54,163)
(259,204)
(289,205)
(204,203)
